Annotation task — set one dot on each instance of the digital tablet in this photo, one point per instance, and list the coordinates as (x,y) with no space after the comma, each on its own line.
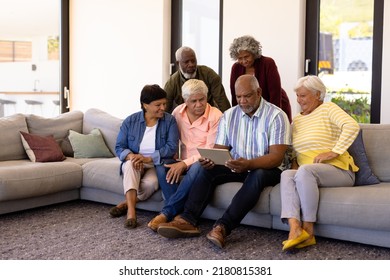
(218,156)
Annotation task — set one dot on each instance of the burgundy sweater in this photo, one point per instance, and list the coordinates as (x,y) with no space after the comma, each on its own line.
(267,74)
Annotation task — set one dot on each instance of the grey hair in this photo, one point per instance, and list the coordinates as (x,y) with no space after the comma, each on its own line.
(313,84)
(181,50)
(193,86)
(245,43)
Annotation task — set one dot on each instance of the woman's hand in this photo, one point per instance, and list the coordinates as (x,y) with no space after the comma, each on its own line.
(175,171)
(324,157)
(138,161)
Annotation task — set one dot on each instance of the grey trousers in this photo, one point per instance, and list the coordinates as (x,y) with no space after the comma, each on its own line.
(299,189)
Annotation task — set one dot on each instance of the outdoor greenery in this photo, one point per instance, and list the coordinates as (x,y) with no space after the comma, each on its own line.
(53,47)
(359,108)
(334,12)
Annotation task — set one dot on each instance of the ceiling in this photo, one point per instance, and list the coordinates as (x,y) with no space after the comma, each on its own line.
(28,18)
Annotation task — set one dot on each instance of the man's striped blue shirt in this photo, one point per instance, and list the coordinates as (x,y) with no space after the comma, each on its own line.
(250,137)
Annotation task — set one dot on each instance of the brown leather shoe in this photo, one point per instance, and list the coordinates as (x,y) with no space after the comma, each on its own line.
(156,221)
(217,235)
(131,223)
(178,228)
(116,211)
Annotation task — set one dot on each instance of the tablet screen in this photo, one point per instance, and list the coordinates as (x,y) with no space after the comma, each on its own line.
(218,156)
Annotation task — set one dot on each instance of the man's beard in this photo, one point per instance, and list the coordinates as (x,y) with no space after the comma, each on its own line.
(187,75)
(248,109)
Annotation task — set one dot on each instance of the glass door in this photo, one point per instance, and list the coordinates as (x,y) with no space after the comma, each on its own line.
(343,47)
(197,24)
(30,52)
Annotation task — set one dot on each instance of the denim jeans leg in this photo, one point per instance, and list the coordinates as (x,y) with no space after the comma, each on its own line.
(167,189)
(202,190)
(175,204)
(248,195)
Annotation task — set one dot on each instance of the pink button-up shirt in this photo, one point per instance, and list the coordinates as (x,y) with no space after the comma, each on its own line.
(201,133)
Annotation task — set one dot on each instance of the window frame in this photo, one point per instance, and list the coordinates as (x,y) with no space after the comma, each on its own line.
(312,42)
(64,55)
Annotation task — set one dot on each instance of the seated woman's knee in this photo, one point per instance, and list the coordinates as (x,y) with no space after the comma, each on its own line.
(306,171)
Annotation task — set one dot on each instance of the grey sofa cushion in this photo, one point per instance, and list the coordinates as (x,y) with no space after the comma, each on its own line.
(10,141)
(365,207)
(58,127)
(25,179)
(102,176)
(108,125)
(376,143)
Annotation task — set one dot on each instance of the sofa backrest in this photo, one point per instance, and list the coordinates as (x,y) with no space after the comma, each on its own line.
(107,124)
(11,147)
(58,127)
(376,138)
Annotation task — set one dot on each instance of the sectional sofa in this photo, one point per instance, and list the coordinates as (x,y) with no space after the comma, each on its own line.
(358,214)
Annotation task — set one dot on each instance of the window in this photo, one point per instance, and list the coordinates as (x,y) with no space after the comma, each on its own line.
(190,21)
(11,51)
(34,56)
(344,48)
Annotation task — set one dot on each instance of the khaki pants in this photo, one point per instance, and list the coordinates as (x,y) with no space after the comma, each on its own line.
(145,183)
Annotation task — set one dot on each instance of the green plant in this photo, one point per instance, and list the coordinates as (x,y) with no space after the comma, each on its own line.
(358,108)
(53,43)
(53,47)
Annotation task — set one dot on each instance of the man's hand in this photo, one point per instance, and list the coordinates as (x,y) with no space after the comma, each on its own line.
(175,171)
(206,163)
(238,165)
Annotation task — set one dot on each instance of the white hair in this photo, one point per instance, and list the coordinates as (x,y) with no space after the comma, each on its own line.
(181,50)
(193,86)
(313,84)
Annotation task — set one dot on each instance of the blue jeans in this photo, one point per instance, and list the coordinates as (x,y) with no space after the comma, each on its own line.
(175,194)
(245,199)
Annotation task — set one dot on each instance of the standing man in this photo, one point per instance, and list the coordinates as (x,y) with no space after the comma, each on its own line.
(198,124)
(257,133)
(188,69)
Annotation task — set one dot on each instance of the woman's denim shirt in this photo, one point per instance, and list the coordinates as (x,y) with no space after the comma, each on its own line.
(132,131)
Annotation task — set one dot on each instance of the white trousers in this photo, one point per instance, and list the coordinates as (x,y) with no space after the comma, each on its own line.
(145,183)
(299,189)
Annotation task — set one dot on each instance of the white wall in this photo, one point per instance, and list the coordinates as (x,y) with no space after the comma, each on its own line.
(279,26)
(118,46)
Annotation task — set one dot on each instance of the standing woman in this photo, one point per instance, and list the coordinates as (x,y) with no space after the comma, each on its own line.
(146,138)
(248,54)
(321,135)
